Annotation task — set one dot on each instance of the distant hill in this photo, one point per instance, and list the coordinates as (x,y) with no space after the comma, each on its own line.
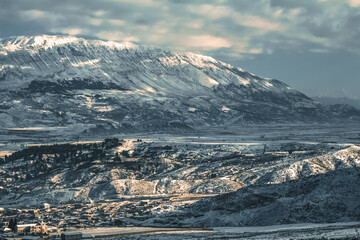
(341,100)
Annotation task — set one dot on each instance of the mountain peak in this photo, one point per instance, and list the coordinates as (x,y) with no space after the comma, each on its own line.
(48,41)
(81,58)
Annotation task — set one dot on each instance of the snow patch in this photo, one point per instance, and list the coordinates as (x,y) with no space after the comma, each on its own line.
(88,101)
(91,62)
(201,61)
(114,45)
(225,109)
(111,92)
(150,89)
(6,66)
(26,67)
(35,42)
(243,81)
(212,81)
(269,84)
(172,61)
(103,108)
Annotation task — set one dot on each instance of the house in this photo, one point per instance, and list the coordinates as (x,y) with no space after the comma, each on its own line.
(46,206)
(35,228)
(25,227)
(87,236)
(5,229)
(71,236)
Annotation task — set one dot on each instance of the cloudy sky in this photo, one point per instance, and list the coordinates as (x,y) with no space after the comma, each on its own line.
(312,45)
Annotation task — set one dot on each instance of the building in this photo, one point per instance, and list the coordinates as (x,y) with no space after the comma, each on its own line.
(25,227)
(46,206)
(31,238)
(87,236)
(34,228)
(5,229)
(71,236)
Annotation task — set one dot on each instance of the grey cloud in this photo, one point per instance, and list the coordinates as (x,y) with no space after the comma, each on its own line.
(168,23)
(309,6)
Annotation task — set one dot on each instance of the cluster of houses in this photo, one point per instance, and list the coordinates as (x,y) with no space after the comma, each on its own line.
(51,221)
(31,226)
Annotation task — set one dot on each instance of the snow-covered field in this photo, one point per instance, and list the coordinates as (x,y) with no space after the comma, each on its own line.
(349,230)
(15,139)
(115,232)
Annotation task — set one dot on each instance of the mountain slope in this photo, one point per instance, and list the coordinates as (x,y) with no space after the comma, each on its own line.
(63,80)
(320,198)
(338,100)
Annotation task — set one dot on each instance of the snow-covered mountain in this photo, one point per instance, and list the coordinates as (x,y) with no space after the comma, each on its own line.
(63,80)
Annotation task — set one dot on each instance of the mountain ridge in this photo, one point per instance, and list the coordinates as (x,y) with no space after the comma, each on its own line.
(62,80)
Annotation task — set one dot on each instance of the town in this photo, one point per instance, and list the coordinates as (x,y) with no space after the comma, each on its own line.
(51,222)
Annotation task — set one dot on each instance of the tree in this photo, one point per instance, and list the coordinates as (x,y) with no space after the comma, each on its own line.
(117,157)
(13,225)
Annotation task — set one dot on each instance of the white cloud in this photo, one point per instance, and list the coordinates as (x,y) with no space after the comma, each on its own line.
(195,24)
(72,31)
(99,13)
(259,23)
(245,19)
(354,3)
(95,21)
(211,11)
(117,22)
(117,36)
(207,42)
(141,2)
(255,50)
(33,14)
(278,13)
